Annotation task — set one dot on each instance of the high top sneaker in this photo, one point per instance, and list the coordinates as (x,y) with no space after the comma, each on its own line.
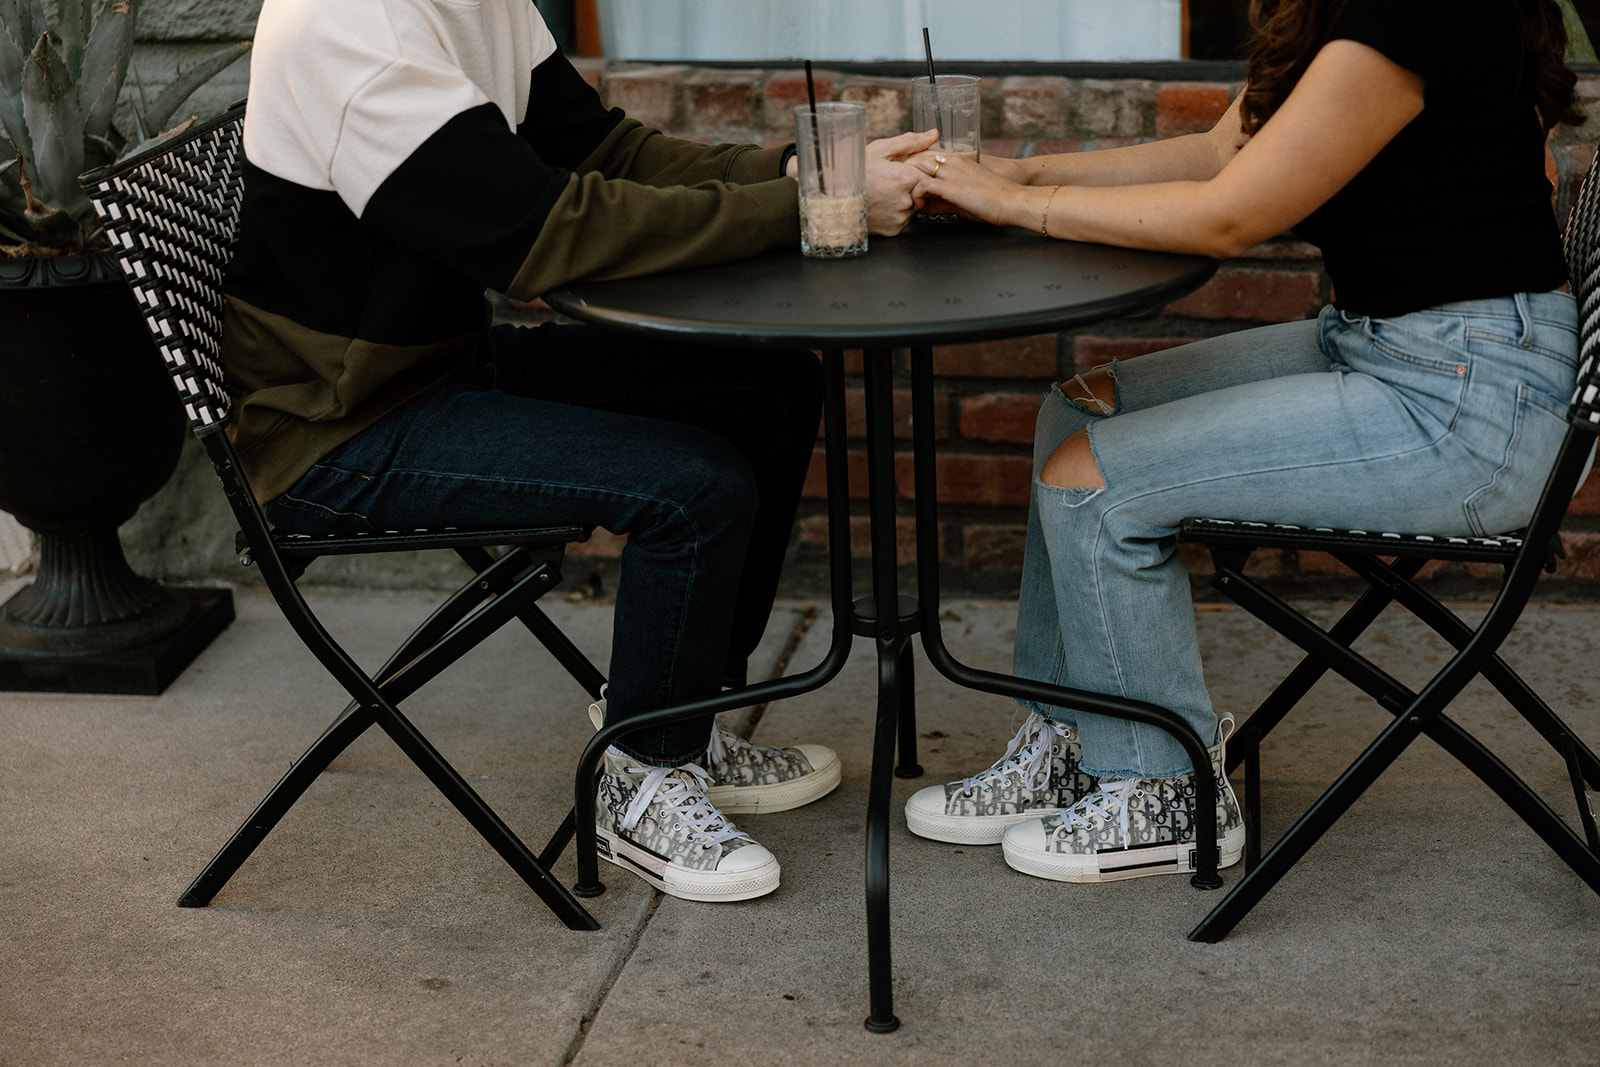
(1039,772)
(750,779)
(1128,828)
(658,823)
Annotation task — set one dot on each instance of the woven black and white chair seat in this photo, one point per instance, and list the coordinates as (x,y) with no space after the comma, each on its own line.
(1245,533)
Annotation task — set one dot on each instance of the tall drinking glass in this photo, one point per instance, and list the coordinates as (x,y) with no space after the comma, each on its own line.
(831,147)
(952,104)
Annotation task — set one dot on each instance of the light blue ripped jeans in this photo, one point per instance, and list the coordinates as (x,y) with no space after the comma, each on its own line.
(1440,421)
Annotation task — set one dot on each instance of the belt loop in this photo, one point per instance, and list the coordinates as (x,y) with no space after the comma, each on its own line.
(1526,313)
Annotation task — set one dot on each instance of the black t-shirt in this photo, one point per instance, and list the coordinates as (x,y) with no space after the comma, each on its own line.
(1457,206)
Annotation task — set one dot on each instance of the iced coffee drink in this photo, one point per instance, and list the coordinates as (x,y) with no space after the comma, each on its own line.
(833,226)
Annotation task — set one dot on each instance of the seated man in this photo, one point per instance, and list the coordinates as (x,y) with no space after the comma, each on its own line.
(402,157)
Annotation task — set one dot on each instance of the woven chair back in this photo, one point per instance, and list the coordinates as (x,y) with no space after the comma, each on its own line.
(171,215)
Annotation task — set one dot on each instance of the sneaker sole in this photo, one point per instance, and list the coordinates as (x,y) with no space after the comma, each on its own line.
(967,829)
(681,882)
(779,796)
(1115,866)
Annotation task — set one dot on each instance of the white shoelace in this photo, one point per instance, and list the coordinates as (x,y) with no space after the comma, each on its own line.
(685,798)
(1110,799)
(1028,756)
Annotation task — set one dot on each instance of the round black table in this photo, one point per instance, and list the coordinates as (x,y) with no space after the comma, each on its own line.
(937,283)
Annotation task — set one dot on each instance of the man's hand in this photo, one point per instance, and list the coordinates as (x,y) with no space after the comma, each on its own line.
(892,181)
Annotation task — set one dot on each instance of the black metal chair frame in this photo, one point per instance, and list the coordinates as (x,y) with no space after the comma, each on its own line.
(1389,563)
(171,215)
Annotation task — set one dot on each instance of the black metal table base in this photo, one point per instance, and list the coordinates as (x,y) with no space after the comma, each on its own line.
(932,284)
(892,636)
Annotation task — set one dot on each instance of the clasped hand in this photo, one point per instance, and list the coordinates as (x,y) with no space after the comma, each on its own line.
(892,181)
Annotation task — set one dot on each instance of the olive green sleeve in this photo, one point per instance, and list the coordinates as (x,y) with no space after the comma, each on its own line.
(601,229)
(639,153)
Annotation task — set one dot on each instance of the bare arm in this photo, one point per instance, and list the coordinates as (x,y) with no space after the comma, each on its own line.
(1350,102)
(1194,157)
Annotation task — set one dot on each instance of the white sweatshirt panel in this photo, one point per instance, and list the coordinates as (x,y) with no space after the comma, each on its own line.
(338,110)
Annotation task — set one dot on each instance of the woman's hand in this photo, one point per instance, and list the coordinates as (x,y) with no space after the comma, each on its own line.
(974,190)
(892,181)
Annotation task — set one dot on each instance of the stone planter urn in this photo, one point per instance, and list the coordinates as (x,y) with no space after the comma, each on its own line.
(90,428)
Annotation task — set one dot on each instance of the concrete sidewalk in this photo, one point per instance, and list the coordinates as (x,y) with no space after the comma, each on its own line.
(374,927)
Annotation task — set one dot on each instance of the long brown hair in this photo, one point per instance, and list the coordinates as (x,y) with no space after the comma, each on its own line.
(1287,34)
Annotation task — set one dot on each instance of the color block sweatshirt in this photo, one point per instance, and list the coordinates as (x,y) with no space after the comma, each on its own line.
(403,156)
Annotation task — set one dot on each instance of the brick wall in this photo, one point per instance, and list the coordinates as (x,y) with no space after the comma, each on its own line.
(987,393)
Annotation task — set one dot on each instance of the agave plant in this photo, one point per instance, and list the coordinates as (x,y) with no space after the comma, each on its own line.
(60,81)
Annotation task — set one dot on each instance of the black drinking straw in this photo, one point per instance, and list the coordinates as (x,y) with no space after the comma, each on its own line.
(816,138)
(933,86)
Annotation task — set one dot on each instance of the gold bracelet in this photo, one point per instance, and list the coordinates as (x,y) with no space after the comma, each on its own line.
(1044,221)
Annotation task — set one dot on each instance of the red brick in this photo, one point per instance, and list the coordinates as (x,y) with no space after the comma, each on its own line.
(1254,295)
(648,94)
(723,104)
(1035,107)
(1321,563)
(1092,351)
(816,484)
(993,546)
(814,531)
(855,414)
(1434,566)
(1261,564)
(1110,108)
(786,91)
(1000,417)
(1196,560)
(1492,572)
(1315,563)
(854,362)
(887,100)
(1025,357)
(973,479)
(1587,499)
(1583,557)
(1190,107)
(1268,564)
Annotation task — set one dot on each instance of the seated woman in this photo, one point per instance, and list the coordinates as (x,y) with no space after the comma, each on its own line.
(1407,141)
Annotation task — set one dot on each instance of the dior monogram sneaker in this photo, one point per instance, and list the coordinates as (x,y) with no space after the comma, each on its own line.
(1039,772)
(751,779)
(658,823)
(1127,828)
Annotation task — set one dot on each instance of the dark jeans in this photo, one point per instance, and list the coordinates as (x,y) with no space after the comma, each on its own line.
(698,454)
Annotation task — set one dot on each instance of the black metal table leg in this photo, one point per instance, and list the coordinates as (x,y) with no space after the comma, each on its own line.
(891,631)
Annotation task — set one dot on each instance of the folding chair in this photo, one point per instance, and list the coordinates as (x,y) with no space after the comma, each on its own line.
(171,215)
(1389,563)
